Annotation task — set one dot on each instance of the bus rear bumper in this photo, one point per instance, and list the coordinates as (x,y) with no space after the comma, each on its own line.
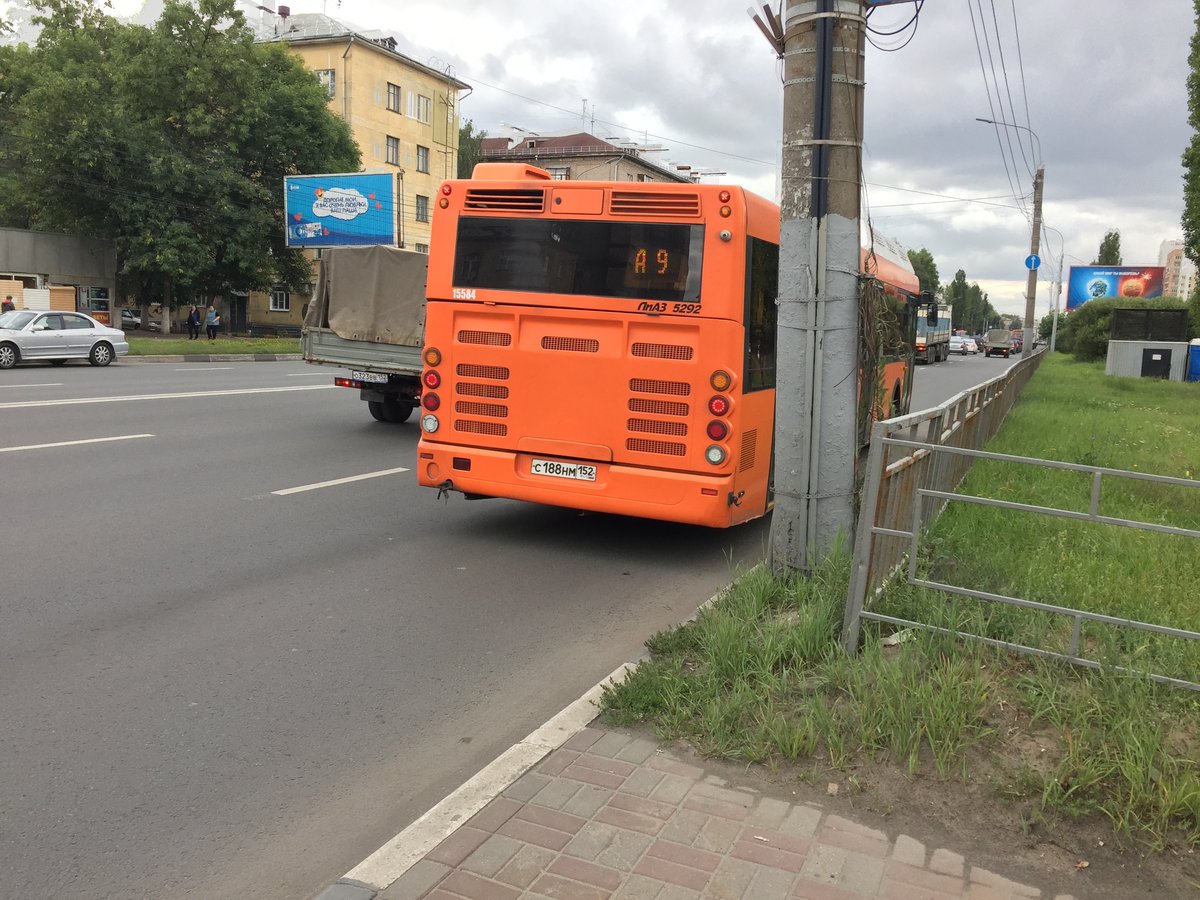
(621,490)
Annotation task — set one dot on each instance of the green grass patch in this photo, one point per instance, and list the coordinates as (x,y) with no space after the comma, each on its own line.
(759,676)
(166,346)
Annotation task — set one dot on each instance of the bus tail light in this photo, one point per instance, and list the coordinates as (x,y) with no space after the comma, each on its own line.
(717,430)
(715,454)
(719,406)
(432,357)
(720,380)
(429,424)
(432,379)
(431,401)
(724,196)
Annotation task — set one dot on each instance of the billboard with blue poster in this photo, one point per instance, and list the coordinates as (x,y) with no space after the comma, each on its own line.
(1095,282)
(350,210)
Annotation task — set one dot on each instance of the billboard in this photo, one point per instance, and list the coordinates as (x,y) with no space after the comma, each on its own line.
(1131,282)
(351,210)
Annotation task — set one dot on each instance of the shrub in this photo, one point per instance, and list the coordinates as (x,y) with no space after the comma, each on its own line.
(1087,328)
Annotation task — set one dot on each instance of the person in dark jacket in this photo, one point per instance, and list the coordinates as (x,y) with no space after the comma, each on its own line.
(193,324)
(7,305)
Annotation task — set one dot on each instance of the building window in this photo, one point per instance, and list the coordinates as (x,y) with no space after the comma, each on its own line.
(422,159)
(281,301)
(393,97)
(559,173)
(420,107)
(393,150)
(422,248)
(328,79)
(422,208)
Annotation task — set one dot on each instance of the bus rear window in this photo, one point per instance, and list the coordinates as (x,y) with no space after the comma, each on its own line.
(633,260)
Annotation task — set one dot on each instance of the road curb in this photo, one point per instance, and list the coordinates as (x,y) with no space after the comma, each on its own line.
(212,357)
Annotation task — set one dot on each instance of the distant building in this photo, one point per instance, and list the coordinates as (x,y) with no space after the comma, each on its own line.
(402,114)
(1179,279)
(581,157)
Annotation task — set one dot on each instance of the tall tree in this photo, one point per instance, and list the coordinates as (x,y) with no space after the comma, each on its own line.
(470,148)
(1191,155)
(1110,249)
(173,141)
(926,269)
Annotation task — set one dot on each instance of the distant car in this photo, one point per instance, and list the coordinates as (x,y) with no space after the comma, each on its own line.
(958,344)
(130,320)
(970,345)
(27,335)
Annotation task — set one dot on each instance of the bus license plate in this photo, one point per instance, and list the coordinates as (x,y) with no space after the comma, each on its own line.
(373,377)
(554,469)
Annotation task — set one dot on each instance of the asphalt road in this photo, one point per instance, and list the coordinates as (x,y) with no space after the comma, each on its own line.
(215,690)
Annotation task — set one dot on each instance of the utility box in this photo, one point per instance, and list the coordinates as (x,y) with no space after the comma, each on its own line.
(1147,359)
(1193,366)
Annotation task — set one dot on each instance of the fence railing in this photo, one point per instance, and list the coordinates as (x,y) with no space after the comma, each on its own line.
(914,467)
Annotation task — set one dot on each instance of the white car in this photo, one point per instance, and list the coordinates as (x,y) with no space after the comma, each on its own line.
(27,335)
(970,345)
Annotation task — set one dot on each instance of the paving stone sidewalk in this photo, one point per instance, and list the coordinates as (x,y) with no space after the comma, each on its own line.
(608,815)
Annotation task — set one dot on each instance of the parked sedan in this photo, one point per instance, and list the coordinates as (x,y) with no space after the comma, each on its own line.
(27,335)
(130,319)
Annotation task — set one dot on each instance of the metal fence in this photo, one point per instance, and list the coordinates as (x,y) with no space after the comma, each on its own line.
(913,469)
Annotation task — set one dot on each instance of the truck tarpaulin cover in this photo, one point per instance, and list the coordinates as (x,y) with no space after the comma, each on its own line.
(371,294)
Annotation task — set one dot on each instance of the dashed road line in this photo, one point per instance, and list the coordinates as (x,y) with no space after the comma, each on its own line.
(336,481)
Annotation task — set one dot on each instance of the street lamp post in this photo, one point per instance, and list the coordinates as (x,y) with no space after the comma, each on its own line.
(1038,178)
(1062,248)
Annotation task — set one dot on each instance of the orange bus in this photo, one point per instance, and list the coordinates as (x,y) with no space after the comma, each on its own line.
(602,346)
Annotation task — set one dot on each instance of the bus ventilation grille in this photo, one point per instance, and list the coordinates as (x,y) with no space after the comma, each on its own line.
(470,408)
(491,391)
(662,351)
(665,448)
(653,386)
(491,338)
(496,373)
(497,198)
(643,203)
(658,407)
(570,344)
(653,426)
(749,447)
(499,429)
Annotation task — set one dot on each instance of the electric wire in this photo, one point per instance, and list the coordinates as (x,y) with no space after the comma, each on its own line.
(1008,90)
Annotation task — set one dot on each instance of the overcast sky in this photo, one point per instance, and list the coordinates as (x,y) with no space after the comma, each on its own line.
(1101,83)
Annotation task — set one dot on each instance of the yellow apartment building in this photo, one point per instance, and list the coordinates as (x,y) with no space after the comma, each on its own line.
(402,114)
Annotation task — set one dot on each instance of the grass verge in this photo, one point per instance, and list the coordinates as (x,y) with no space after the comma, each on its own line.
(166,346)
(760,677)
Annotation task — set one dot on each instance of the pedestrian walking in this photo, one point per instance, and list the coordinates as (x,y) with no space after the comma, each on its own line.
(7,305)
(210,322)
(193,324)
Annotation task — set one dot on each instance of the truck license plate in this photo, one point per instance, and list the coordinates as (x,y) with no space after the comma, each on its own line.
(373,377)
(554,469)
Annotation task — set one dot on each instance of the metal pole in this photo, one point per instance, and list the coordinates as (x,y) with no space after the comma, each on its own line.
(817,381)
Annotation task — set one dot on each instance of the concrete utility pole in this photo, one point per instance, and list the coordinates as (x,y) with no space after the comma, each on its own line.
(1034,243)
(817,354)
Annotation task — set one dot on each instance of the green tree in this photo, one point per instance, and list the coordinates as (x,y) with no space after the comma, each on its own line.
(470,149)
(1191,155)
(926,269)
(1110,249)
(173,141)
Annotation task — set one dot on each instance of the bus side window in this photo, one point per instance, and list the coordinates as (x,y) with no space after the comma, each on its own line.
(762,292)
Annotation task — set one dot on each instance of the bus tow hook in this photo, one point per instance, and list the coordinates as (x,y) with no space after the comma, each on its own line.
(736,499)
(444,489)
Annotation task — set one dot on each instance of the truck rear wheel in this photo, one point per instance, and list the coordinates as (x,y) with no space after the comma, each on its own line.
(392,411)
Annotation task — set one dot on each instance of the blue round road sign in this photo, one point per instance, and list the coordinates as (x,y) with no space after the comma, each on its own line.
(1032,261)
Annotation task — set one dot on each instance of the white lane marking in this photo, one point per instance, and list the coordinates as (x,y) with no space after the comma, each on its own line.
(123,437)
(173,396)
(347,480)
(308,374)
(206,369)
(45,384)
(407,848)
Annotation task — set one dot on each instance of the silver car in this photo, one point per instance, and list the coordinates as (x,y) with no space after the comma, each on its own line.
(27,335)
